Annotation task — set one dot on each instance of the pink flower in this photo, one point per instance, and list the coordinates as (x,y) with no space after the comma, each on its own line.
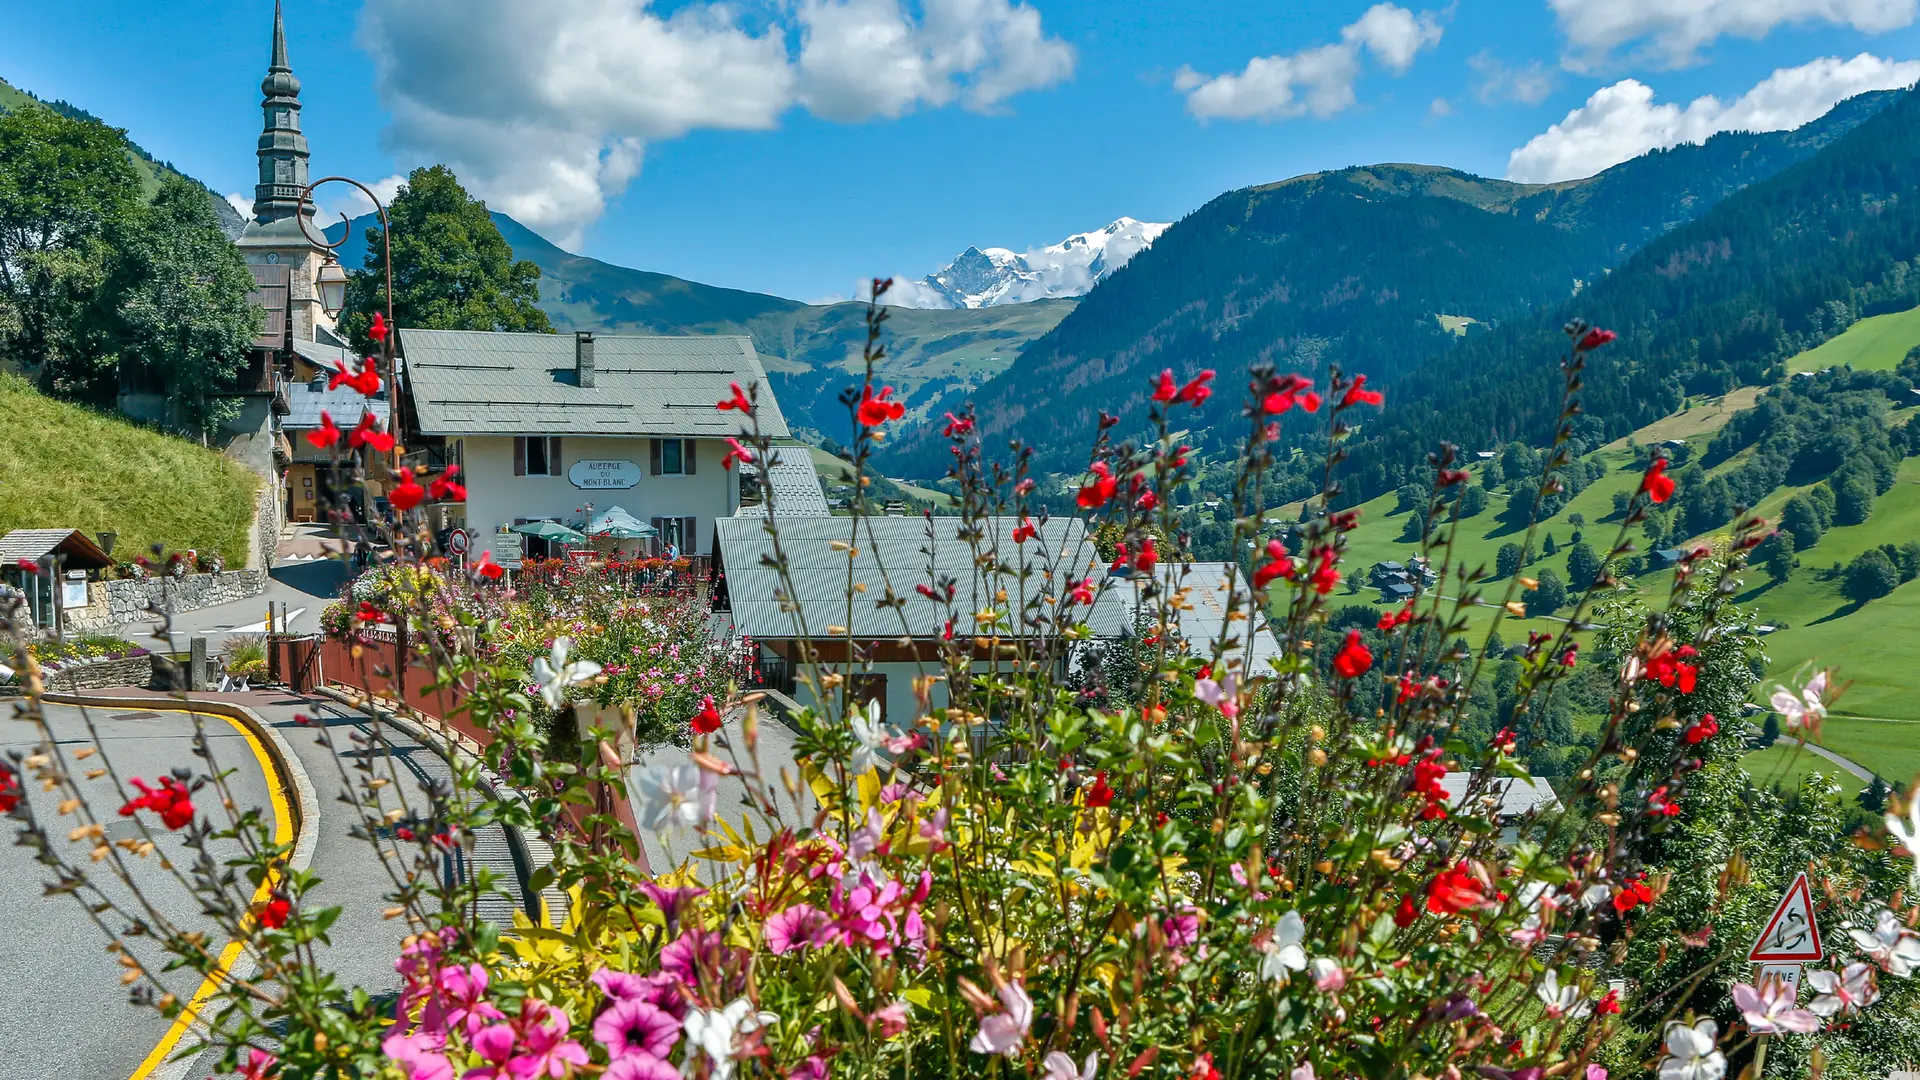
(548,1050)
(419,1055)
(1004,1032)
(1328,976)
(660,989)
(1182,928)
(495,1047)
(891,1020)
(935,829)
(636,1027)
(464,994)
(640,1067)
(1772,1009)
(798,927)
(259,1064)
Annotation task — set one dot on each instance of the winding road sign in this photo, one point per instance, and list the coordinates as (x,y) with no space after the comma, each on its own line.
(1791,935)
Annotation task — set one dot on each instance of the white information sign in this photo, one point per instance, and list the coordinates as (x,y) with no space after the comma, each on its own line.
(506,549)
(1791,936)
(73,593)
(604,475)
(1787,975)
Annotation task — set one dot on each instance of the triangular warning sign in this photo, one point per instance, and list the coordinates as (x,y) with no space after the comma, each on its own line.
(1791,935)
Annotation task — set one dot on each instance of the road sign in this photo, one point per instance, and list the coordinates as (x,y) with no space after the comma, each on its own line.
(457,542)
(1791,935)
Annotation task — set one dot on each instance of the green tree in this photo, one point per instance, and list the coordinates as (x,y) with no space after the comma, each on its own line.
(1874,799)
(1550,597)
(1852,499)
(1582,566)
(1870,577)
(180,293)
(1770,729)
(1823,503)
(1907,559)
(1473,500)
(1801,520)
(452,270)
(67,190)
(1549,548)
(1776,554)
(1507,562)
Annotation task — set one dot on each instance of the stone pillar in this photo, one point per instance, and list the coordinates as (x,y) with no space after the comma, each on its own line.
(197,664)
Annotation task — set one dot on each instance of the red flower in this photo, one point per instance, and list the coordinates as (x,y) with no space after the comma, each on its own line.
(1660,806)
(1391,619)
(1286,392)
(1147,501)
(366,380)
(1327,574)
(9,789)
(408,495)
(1406,913)
(487,568)
(366,433)
(1608,1005)
(737,401)
(1672,669)
(1454,891)
(1203,1068)
(445,488)
(959,426)
(370,615)
(1358,394)
(1100,491)
(171,800)
(378,331)
(877,409)
(1595,338)
(1278,565)
(1196,390)
(326,436)
(1703,729)
(1657,484)
(1024,531)
(1083,592)
(1450,477)
(1146,558)
(1353,659)
(1163,387)
(1632,895)
(735,452)
(273,914)
(707,720)
(1099,794)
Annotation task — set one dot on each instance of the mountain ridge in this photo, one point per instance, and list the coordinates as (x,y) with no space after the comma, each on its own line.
(988,277)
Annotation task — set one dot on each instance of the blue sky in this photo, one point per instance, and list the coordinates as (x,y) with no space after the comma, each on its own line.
(796,146)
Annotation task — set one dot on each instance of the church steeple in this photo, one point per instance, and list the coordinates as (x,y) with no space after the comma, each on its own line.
(283,149)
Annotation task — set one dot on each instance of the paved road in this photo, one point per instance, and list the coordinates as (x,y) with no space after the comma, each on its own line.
(667,850)
(305,588)
(1848,764)
(63,1012)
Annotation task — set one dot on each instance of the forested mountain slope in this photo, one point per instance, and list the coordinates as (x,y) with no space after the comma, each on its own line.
(1355,268)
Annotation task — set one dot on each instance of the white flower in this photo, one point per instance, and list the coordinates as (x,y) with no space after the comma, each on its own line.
(674,796)
(1805,709)
(714,1031)
(1004,1032)
(1561,1001)
(1595,896)
(1328,976)
(1060,1067)
(1771,1009)
(870,737)
(1907,831)
(1845,992)
(1894,947)
(1691,1053)
(553,674)
(1283,951)
(1304,1072)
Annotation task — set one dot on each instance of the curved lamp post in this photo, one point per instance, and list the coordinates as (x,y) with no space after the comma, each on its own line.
(333,282)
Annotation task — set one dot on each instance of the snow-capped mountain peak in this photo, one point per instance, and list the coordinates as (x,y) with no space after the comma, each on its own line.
(985,277)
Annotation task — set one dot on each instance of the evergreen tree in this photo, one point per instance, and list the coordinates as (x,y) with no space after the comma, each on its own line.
(1506,562)
(1582,567)
(1473,500)
(452,270)
(1550,548)
(1874,799)
(180,293)
(67,191)
(1869,577)
(1770,730)
(1550,597)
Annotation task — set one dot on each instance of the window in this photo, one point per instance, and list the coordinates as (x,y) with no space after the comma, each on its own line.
(536,456)
(672,457)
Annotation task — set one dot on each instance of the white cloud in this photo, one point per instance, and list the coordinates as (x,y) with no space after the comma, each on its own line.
(546,110)
(1672,32)
(242,204)
(1528,85)
(1440,107)
(1317,80)
(1622,121)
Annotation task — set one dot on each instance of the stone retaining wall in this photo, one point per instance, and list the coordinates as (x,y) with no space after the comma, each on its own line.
(130,671)
(114,604)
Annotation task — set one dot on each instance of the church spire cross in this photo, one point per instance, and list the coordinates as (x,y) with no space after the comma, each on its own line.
(283,149)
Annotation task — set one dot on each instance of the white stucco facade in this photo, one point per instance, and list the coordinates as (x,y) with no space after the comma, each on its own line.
(496,498)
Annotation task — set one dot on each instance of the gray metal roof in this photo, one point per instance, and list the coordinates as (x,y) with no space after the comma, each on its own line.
(325,354)
(796,486)
(35,544)
(896,550)
(307,400)
(473,382)
(1517,797)
(1203,619)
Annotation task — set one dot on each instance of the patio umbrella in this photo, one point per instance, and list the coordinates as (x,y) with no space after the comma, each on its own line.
(620,525)
(550,530)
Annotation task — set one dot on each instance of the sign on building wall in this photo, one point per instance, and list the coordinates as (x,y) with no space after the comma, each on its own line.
(73,591)
(604,475)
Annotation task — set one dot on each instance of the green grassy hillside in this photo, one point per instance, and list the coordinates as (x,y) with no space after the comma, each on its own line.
(1878,343)
(62,466)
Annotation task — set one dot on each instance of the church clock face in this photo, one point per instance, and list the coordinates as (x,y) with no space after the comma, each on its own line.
(272,257)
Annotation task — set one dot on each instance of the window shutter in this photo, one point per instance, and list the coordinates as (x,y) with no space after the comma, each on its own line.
(689,531)
(659,534)
(686,455)
(653,464)
(519,455)
(553,457)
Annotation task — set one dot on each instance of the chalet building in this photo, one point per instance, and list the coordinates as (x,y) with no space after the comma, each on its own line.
(552,427)
(1204,626)
(892,549)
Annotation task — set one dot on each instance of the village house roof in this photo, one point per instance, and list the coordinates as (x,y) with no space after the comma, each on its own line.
(896,550)
(307,400)
(796,486)
(77,551)
(1203,619)
(1517,797)
(475,382)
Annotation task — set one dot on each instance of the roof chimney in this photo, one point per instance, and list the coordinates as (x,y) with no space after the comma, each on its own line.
(583,357)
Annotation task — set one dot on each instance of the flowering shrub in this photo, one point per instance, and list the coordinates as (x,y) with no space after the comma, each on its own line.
(1183,866)
(57,653)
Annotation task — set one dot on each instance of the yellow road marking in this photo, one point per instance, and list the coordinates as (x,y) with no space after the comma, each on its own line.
(282,834)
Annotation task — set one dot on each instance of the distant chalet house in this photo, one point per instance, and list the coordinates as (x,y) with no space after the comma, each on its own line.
(1200,595)
(308,472)
(1666,558)
(901,643)
(546,425)
(57,553)
(795,484)
(1513,799)
(1399,581)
